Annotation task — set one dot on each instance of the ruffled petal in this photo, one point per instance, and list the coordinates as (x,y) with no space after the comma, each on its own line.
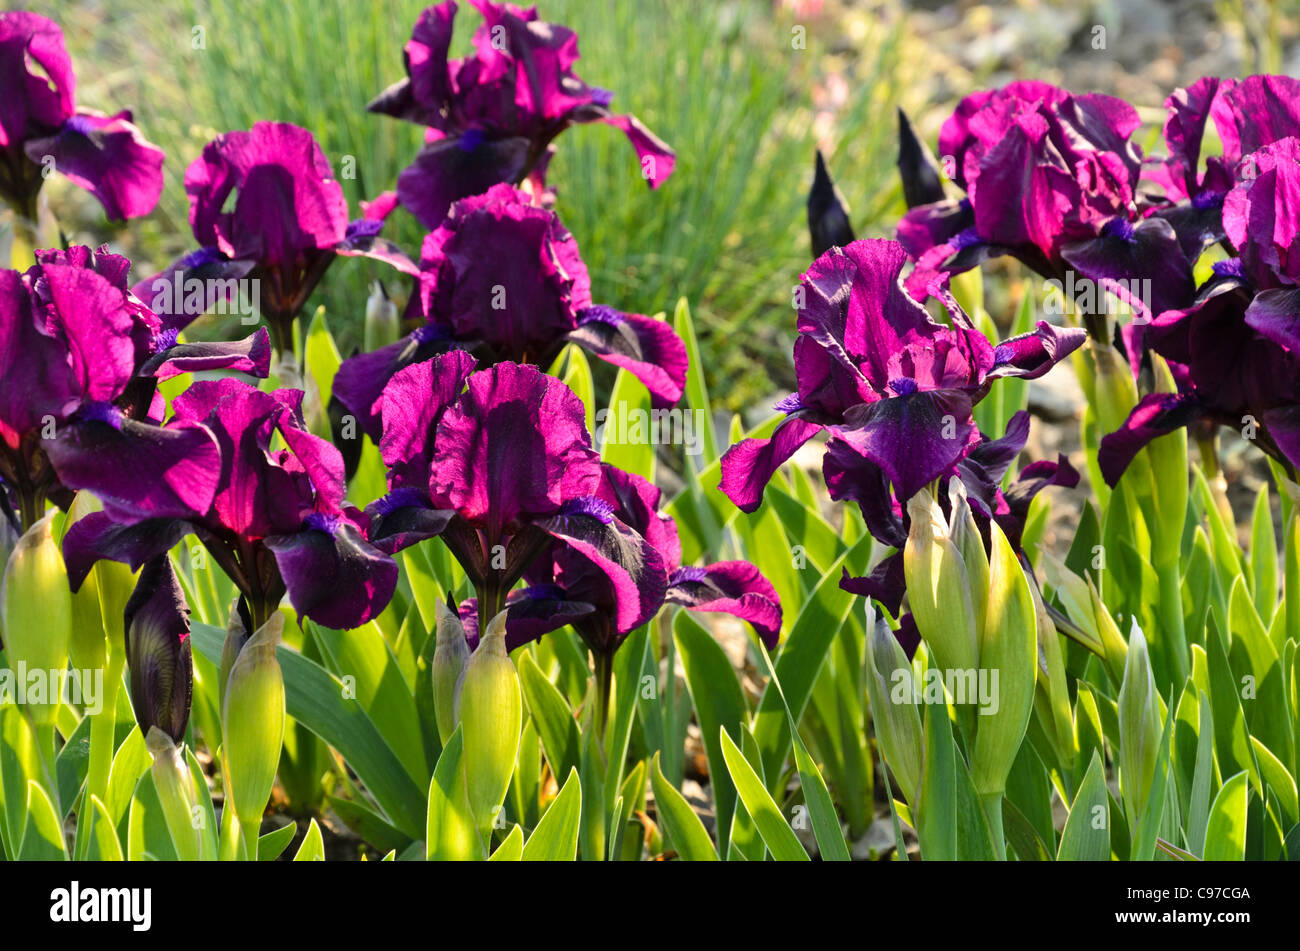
(649,349)
(748,466)
(110,158)
(732,587)
(138,470)
(332,574)
(1155,415)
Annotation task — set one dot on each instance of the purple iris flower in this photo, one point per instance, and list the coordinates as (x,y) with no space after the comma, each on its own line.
(503,278)
(503,472)
(1051,178)
(491,116)
(40,123)
(80,357)
(274,519)
(566,587)
(876,371)
(1247,114)
(1236,350)
(265,207)
(157,625)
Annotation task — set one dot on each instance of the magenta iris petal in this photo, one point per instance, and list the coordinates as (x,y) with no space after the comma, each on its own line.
(332,573)
(415,401)
(647,348)
(732,587)
(1261,215)
(445,172)
(251,355)
(513,449)
(97,536)
(1155,415)
(531,613)
(748,466)
(40,124)
(110,158)
(139,470)
(633,570)
(286,198)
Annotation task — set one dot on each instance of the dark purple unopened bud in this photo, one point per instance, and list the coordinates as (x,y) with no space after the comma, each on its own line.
(828,215)
(916,167)
(157,624)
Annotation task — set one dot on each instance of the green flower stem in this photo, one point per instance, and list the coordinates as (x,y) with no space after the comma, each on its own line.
(103,736)
(992,804)
(1174,641)
(249,834)
(47,749)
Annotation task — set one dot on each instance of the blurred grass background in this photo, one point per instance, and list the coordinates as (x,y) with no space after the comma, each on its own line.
(742,89)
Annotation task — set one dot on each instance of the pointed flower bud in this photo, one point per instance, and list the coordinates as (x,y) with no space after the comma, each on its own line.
(938,587)
(1052,692)
(1139,724)
(36,610)
(966,536)
(88,647)
(1008,655)
(893,691)
(157,622)
(828,213)
(252,717)
(491,716)
(382,325)
(916,167)
(450,656)
(1116,390)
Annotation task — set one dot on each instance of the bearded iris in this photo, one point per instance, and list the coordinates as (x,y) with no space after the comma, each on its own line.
(41,127)
(272,512)
(895,391)
(80,358)
(525,307)
(1052,179)
(501,472)
(491,117)
(874,369)
(1235,351)
(567,587)
(265,206)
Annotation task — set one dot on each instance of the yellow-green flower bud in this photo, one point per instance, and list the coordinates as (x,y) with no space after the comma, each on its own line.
(1116,389)
(893,692)
(491,716)
(252,720)
(966,536)
(938,588)
(382,325)
(88,646)
(175,785)
(36,611)
(450,657)
(1052,692)
(1139,724)
(1008,652)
